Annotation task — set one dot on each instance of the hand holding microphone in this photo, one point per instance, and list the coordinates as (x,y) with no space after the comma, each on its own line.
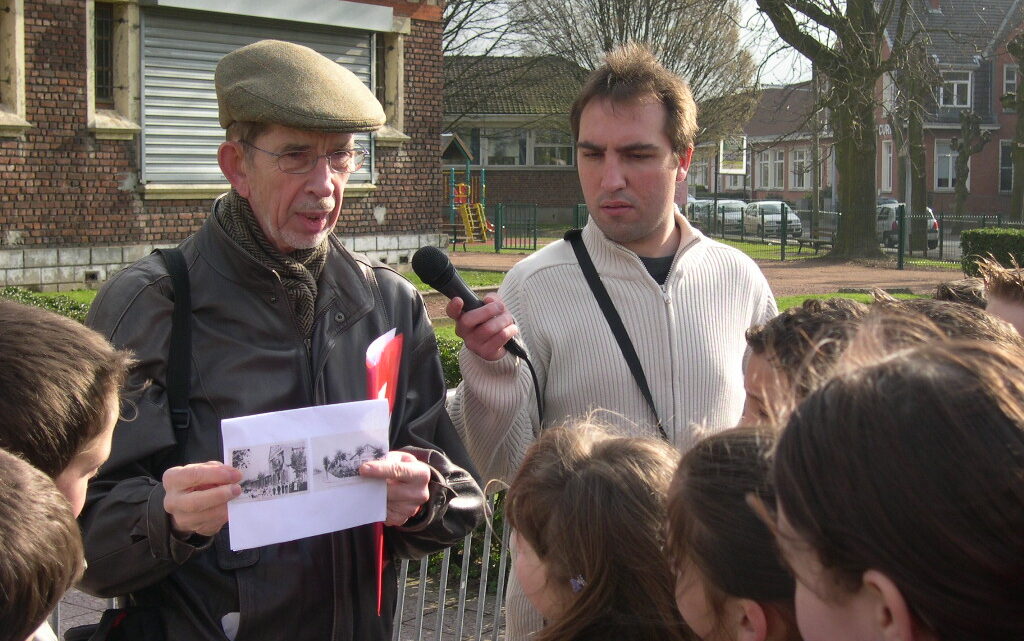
(486,326)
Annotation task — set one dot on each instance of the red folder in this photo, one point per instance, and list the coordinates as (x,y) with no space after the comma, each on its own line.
(383,360)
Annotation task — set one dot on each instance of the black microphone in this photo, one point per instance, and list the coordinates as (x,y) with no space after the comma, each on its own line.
(435,269)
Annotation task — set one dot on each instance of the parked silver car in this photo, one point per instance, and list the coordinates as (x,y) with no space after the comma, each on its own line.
(887,226)
(764,219)
(727,219)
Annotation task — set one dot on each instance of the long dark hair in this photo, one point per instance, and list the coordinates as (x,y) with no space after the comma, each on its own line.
(914,466)
(592,506)
(713,527)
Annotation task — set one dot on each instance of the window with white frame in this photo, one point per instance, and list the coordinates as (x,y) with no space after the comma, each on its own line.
(888,93)
(956,89)
(800,169)
(1005,166)
(552,147)
(12,68)
(887,166)
(779,172)
(735,181)
(1009,79)
(698,174)
(945,165)
(764,170)
(503,146)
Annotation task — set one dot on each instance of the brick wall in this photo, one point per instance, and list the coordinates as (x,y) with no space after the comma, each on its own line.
(62,188)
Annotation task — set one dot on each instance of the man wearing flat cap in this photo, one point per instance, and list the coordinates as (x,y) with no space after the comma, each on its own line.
(281,316)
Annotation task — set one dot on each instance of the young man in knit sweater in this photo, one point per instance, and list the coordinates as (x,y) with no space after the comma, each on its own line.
(685,300)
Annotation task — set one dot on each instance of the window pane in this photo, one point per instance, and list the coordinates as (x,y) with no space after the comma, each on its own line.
(552,156)
(505,147)
(104,42)
(1006,165)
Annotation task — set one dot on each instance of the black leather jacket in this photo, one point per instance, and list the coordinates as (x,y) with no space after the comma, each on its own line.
(248,357)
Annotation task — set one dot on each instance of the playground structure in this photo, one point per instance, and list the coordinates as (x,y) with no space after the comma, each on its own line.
(468,201)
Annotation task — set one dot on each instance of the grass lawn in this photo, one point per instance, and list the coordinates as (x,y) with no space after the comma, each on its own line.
(785,302)
(79,295)
(472,277)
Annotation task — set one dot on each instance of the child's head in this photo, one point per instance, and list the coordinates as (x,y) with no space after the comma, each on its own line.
(792,352)
(900,489)
(730,582)
(40,548)
(1004,288)
(955,320)
(588,512)
(59,384)
(969,291)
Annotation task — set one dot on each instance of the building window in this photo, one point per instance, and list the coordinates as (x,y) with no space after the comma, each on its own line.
(956,89)
(103,40)
(113,61)
(887,166)
(764,166)
(504,146)
(800,168)
(12,69)
(380,54)
(735,182)
(945,165)
(552,148)
(1009,79)
(779,172)
(1005,166)
(888,93)
(698,174)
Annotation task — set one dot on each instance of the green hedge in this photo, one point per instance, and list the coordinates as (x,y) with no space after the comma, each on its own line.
(1003,243)
(449,349)
(60,304)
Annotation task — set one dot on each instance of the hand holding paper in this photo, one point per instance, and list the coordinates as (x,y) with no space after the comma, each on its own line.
(408,480)
(196,496)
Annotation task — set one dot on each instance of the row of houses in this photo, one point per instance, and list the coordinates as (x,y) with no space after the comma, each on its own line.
(967,46)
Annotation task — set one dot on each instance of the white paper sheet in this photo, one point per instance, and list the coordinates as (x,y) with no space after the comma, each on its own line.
(280,500)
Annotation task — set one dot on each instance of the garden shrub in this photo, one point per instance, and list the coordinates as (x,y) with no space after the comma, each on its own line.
(449,349)
(60,304)
(1004,244)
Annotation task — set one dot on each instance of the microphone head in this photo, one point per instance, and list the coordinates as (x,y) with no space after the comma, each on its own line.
(432,265)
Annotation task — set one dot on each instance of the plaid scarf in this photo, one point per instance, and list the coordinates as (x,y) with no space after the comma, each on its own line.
(298,271)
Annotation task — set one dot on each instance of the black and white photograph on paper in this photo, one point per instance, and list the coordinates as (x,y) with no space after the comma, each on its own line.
(337,457)
(272,470)
(283,497)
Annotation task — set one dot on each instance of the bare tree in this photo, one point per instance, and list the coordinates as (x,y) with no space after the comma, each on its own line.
(698,39)
(845,42)
(971,141)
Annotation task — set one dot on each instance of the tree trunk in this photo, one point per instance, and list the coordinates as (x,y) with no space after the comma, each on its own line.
(855,153)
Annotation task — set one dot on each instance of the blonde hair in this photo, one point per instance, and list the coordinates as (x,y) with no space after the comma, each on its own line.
(1002,282)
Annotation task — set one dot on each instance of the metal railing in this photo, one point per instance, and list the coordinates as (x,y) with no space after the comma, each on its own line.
(434,604)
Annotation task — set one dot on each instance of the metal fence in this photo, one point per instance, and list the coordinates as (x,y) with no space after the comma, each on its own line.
(515,226)
(457,594)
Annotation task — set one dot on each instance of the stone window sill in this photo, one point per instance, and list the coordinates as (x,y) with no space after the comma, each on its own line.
(12,125)
(110,125)
(388,136)
(211,191)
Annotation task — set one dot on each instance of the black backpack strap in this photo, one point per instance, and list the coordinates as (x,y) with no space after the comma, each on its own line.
(575,238)
(179,357)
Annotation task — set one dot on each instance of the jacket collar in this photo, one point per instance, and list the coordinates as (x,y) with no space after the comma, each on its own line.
(613,259)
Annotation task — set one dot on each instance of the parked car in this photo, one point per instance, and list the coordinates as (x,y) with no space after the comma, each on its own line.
(727,220)
(764,219)
(887,226)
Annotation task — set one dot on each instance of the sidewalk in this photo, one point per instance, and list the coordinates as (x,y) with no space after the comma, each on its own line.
(811,276)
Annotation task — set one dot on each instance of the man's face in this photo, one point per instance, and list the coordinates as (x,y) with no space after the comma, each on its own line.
(765,388)
(295,211)
(629,172)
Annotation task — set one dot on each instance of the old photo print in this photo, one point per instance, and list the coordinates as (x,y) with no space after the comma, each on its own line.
(337,457)
(272,470)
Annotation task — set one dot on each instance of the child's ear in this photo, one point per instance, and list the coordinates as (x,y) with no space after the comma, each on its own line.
(889,612)
(231,158)
(751,621)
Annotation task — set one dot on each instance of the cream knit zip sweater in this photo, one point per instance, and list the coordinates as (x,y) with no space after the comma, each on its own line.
(688,335)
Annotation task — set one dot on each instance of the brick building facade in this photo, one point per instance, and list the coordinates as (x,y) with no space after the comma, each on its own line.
(77,197)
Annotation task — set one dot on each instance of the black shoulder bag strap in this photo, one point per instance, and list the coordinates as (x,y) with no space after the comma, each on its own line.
(575,238)
(179,357)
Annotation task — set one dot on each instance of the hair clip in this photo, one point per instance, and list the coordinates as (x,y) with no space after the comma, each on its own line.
(577,583)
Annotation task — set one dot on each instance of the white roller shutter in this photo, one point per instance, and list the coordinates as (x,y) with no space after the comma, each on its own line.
(180,51)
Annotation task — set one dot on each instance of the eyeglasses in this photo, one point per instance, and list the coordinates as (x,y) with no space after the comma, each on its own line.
(344,161)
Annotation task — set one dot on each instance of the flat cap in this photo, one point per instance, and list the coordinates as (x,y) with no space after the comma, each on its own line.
(287,84)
